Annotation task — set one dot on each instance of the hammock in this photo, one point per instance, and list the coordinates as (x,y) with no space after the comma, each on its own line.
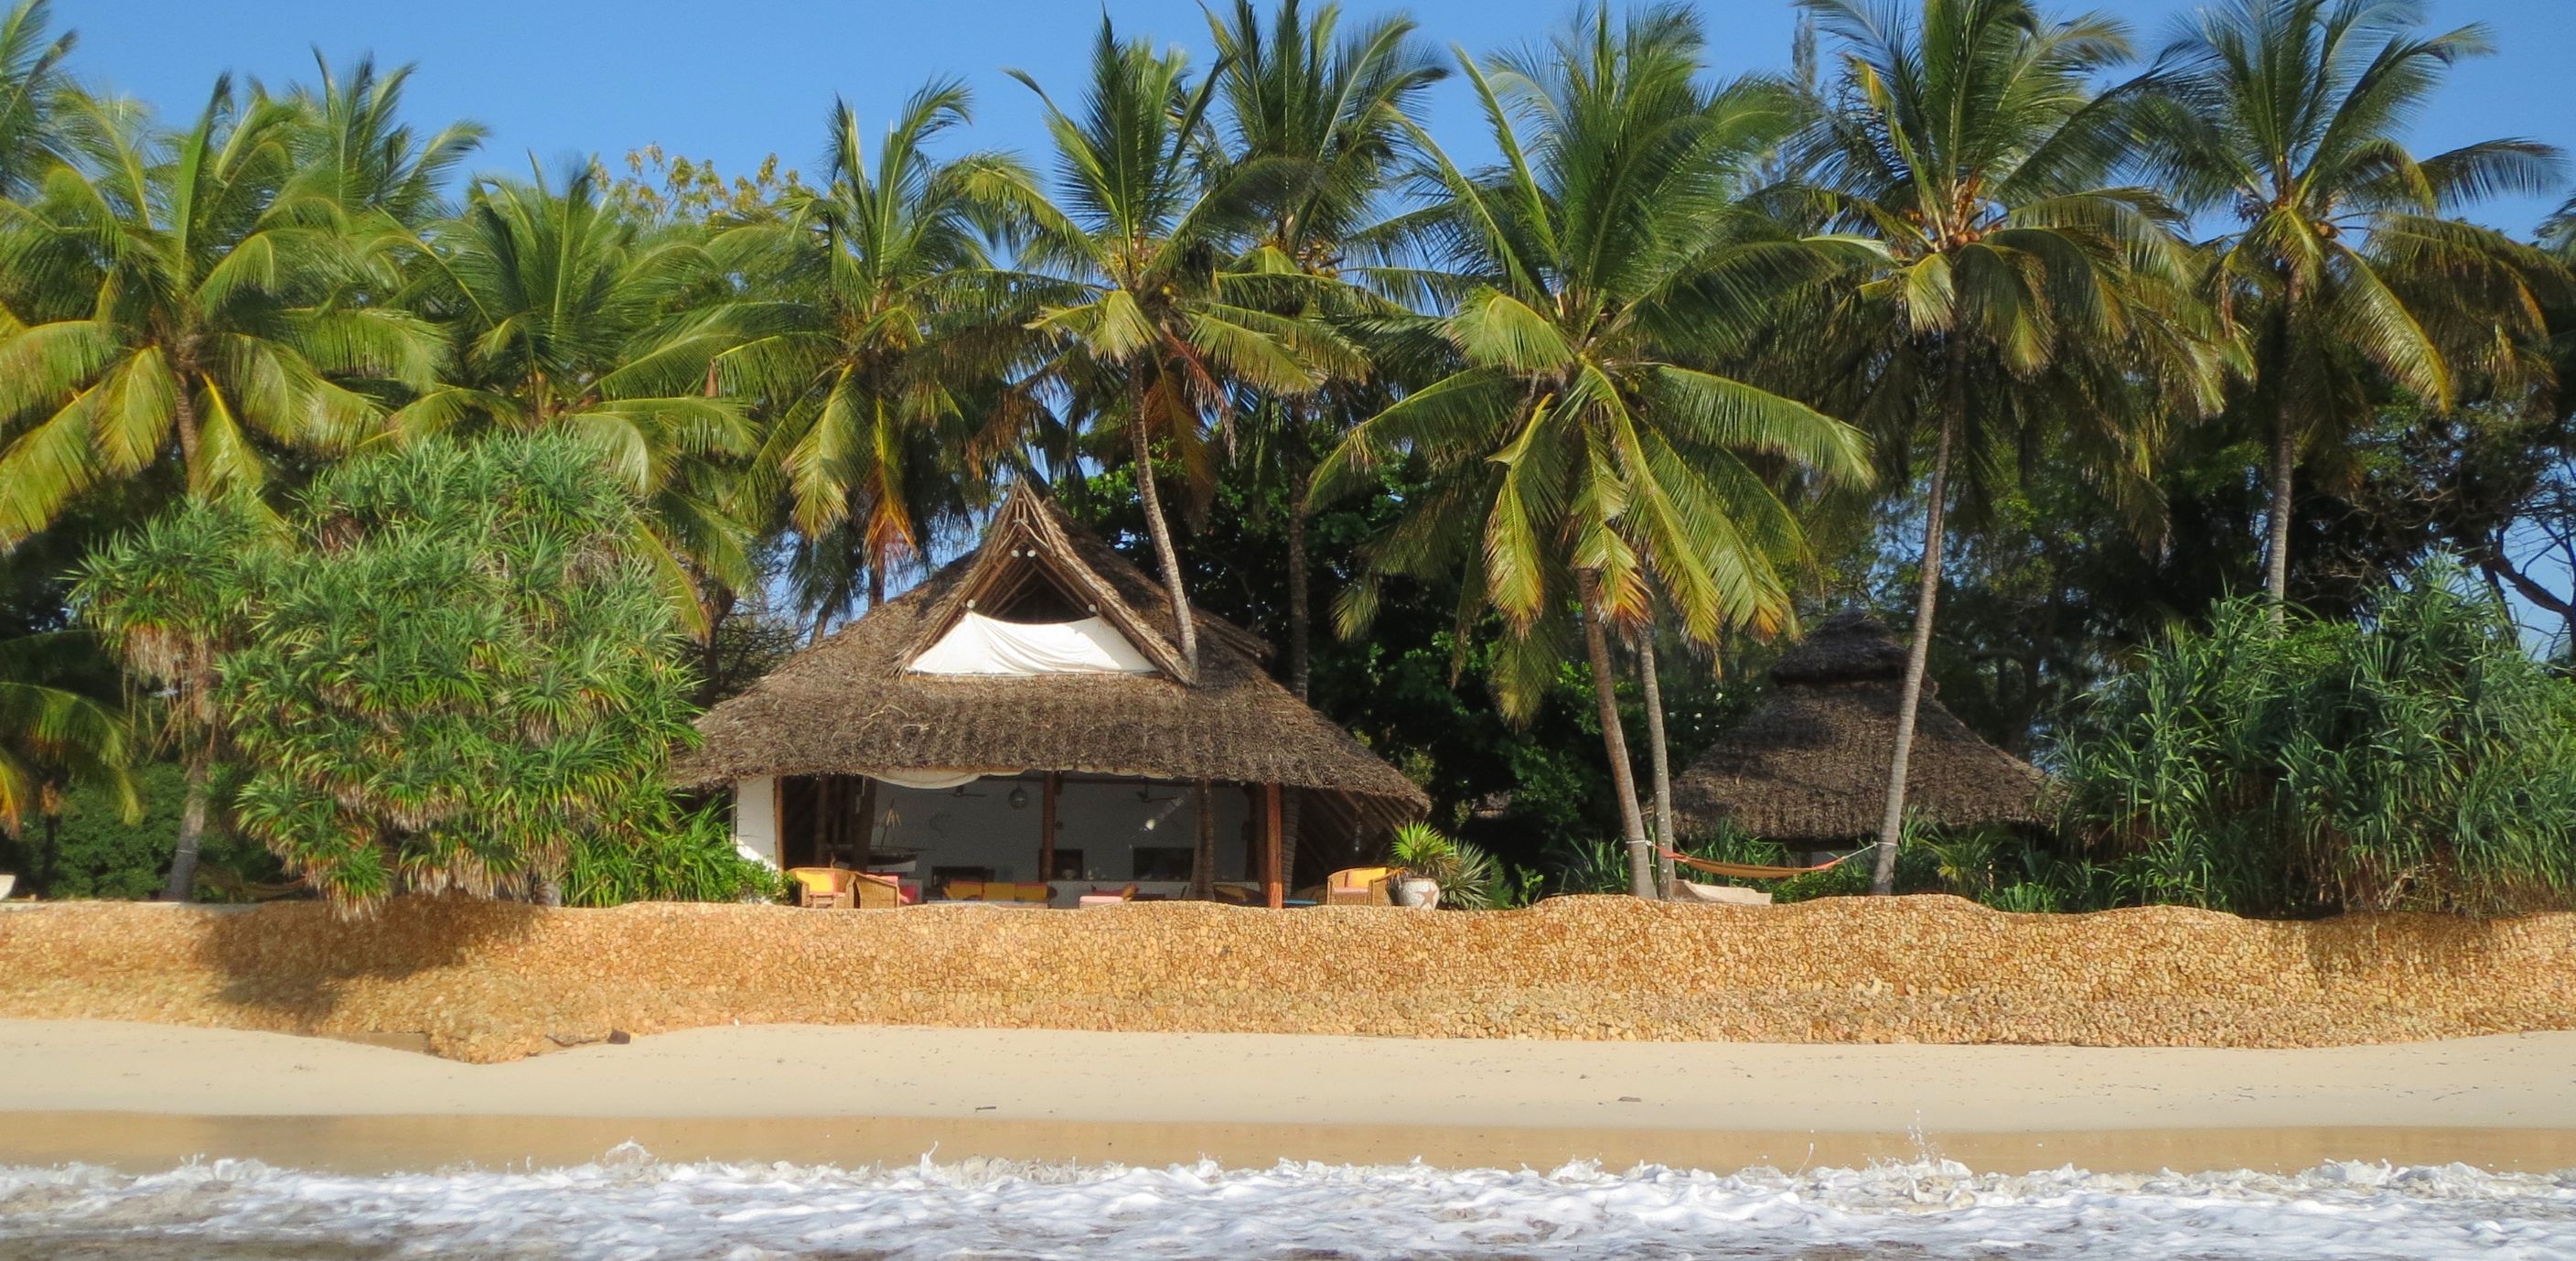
(1747,871)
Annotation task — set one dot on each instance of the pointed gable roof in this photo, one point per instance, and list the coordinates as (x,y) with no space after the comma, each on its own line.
(1029,541)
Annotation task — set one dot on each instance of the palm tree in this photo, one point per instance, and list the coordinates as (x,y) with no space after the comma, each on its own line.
(54,735)
(173,309)
(2289,112)
(1157,323)
(1969,143)
(564,315)
(1583,280)
(33,91)
(353,147)
(890,302)
(1327,113)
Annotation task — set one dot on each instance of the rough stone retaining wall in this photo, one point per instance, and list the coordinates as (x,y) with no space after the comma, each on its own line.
(485,981)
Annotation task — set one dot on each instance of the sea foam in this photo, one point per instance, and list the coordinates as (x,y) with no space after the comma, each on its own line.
(629,1207)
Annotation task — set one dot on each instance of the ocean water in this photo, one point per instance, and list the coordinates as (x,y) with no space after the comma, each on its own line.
(629,1207)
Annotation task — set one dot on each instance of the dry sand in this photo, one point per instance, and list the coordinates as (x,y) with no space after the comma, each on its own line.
(143,1094)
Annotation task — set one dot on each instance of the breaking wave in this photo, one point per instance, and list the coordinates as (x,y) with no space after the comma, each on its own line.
(629,1207)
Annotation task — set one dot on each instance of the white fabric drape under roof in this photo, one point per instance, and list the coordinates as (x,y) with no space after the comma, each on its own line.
(990,646)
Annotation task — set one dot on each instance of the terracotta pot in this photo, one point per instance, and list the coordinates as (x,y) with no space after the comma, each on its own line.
(1418,893)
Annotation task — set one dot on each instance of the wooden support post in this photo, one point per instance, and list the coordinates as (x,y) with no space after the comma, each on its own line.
(1274,890)
(1046,825)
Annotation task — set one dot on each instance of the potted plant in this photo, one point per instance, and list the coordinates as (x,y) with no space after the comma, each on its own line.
(1431,865)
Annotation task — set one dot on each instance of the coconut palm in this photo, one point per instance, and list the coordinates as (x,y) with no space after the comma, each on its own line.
(2289,113)
(1328,111)
(1577,442)
(890,302)
(564,315)
(168,305)
(33,91)
(1969,142)
(1159,323)
(354,148)
(55,735)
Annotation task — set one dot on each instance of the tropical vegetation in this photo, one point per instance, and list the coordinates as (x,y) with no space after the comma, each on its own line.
(376,512)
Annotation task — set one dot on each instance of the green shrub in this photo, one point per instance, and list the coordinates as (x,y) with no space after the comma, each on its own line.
(90,851)
(2416,759)
(694,862)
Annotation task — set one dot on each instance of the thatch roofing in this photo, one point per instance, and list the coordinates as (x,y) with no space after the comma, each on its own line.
(849,706)
(1810,765)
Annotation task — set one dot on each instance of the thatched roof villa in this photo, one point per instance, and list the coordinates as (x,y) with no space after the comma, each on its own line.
(1025,715)
(1809,767)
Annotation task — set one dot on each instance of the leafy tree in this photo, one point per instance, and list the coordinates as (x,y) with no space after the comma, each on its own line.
(1576,439)
(2417,759)
(453,671)
(167,302)
(95,844)
(1156,323)
(663,189)
(887,304)
(564,315)
(170,599)
(2289,112)
(1968,141)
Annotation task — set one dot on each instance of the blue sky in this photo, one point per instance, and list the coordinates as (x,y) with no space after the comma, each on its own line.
(740,79)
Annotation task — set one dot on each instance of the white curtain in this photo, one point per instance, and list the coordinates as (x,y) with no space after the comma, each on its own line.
(928,779)
(984,645)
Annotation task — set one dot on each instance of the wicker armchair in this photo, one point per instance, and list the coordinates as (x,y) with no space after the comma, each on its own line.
(1360,886)
(842,888)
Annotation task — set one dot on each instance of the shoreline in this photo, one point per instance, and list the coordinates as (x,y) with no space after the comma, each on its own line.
(144,1097)
(379,1145)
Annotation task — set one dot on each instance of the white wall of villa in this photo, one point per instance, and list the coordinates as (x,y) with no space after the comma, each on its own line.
(755,818)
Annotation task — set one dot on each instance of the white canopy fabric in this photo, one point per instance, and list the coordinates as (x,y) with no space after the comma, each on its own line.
(928,779)
(989,646)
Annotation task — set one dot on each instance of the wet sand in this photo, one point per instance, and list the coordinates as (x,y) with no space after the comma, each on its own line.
(144,1096)
(371,1145)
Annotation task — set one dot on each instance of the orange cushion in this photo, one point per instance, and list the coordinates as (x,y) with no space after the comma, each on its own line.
(1035,891)
(966,890)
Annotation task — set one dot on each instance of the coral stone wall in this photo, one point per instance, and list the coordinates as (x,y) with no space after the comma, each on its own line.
(484,981)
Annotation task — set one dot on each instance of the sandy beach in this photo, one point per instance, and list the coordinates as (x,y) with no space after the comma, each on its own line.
(134,1094)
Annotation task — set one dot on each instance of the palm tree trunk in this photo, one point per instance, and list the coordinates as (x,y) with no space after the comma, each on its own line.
(51,860)
(1161,532)
(2285,459)
(1614,737)
(1891,825)
(192,829)
(2276,548)
(1658,759)
(1301,615)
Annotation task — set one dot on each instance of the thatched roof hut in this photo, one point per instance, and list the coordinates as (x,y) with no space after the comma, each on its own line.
(1809,768)
(861,703)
